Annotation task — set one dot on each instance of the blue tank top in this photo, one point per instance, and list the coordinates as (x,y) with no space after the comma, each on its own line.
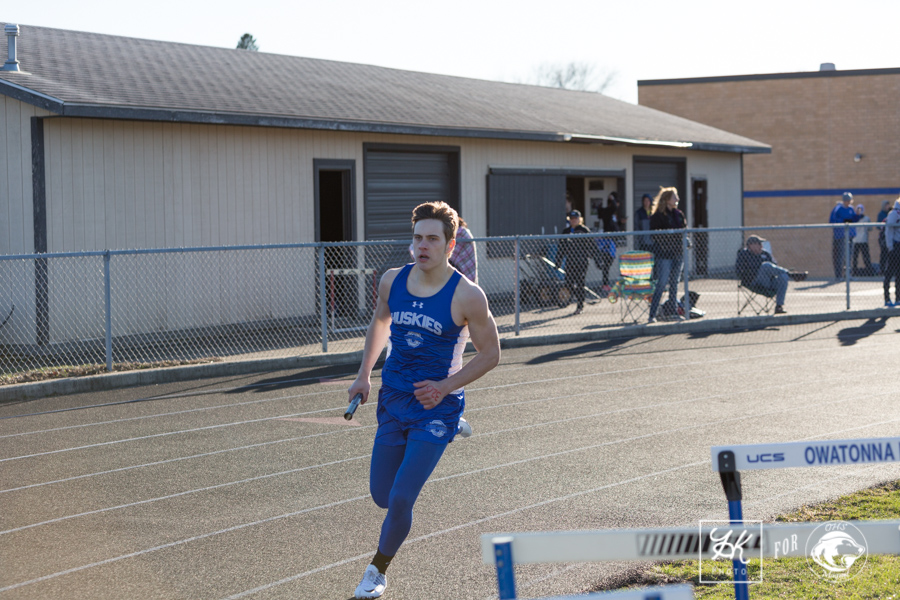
(424,343)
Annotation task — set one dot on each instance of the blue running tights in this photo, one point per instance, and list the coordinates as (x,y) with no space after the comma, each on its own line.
(396,477)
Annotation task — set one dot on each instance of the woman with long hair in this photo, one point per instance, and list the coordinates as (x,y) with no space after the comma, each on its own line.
(668,252)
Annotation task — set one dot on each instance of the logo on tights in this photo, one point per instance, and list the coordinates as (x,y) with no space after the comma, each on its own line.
(437,429)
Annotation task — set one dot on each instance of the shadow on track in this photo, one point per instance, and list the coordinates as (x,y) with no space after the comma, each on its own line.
(575,352)
(850,335)
(338,375)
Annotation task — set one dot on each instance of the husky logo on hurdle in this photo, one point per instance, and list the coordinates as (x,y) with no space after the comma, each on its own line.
(836,550)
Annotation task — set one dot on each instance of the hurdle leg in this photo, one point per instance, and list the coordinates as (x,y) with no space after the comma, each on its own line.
(731,482)
(506,577)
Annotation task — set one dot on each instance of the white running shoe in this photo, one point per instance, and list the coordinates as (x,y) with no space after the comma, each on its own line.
(463,429)
(372,584)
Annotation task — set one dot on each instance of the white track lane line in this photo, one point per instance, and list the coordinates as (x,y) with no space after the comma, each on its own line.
(451,529)
(166,414)
(306,510)
(308,467)
(539,381)
(185,493)
(363,428)
(467,525)
(523,508)
(281,398)
(497,432)
(164,434)
(234,404)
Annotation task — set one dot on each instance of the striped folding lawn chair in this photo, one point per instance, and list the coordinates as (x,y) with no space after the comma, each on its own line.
(635,285)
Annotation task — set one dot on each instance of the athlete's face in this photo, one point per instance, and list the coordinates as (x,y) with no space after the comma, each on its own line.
(429,245)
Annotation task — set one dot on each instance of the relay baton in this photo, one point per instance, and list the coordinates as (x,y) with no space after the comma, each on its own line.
(354,404)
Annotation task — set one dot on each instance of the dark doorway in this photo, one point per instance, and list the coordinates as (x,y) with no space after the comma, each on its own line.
(332,227)
(335,211)
(335,204)
(700,220)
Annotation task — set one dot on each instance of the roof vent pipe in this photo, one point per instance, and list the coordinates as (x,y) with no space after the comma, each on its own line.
(827,67)
(12,32)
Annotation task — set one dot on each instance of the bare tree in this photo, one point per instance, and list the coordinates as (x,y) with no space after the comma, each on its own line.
(247,42)
(582,76)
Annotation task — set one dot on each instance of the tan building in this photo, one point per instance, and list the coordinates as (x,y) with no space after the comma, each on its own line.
(109,142)
(830,131)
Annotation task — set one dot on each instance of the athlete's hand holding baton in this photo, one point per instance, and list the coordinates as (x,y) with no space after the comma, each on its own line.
(357,394)
(354,404)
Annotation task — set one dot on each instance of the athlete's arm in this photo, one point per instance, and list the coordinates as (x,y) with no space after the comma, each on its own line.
(376,337)
(482,332)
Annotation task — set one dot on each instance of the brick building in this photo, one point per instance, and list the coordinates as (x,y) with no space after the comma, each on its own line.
(829,130)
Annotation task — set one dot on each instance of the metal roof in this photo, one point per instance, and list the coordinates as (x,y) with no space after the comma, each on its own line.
(81,74)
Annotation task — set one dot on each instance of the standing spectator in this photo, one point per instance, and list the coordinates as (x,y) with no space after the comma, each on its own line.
(576,254)
(608,214)
(604,255)
(642,223)
(841,213)
(861,242)
(883,213)
(882,247)
(463,258)
(669,253)
(757,268)
(892,241)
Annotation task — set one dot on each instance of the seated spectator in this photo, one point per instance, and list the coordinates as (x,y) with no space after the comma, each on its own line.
(757,268)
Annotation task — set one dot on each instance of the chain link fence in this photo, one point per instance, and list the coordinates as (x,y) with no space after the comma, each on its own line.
(165,305)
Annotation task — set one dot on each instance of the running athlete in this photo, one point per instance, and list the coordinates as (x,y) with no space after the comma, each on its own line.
(425,313)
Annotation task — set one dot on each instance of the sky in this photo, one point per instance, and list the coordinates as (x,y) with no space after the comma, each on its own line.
(506,41)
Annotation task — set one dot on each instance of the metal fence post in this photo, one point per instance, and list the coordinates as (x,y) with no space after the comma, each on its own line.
(685,251)
(323,298)
(517,285)
(847,261)
(108,301)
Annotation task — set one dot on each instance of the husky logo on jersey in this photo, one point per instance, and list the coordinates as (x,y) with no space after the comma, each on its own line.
(418,305)
(414,339)
(419,320)
(437,429)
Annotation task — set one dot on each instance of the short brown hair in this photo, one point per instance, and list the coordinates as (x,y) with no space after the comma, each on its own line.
(441,211)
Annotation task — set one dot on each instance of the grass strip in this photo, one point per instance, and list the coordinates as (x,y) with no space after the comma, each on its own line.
(791,578)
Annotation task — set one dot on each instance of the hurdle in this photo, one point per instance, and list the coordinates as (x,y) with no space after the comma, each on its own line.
(730,460)
(505,550)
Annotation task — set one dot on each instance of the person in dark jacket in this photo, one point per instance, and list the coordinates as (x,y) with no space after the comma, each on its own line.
(668,253)
(757,268)
(609,214)
(642,223)
(576,253)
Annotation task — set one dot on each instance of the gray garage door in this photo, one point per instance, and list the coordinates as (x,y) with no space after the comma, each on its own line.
(397,180)
(652,173)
